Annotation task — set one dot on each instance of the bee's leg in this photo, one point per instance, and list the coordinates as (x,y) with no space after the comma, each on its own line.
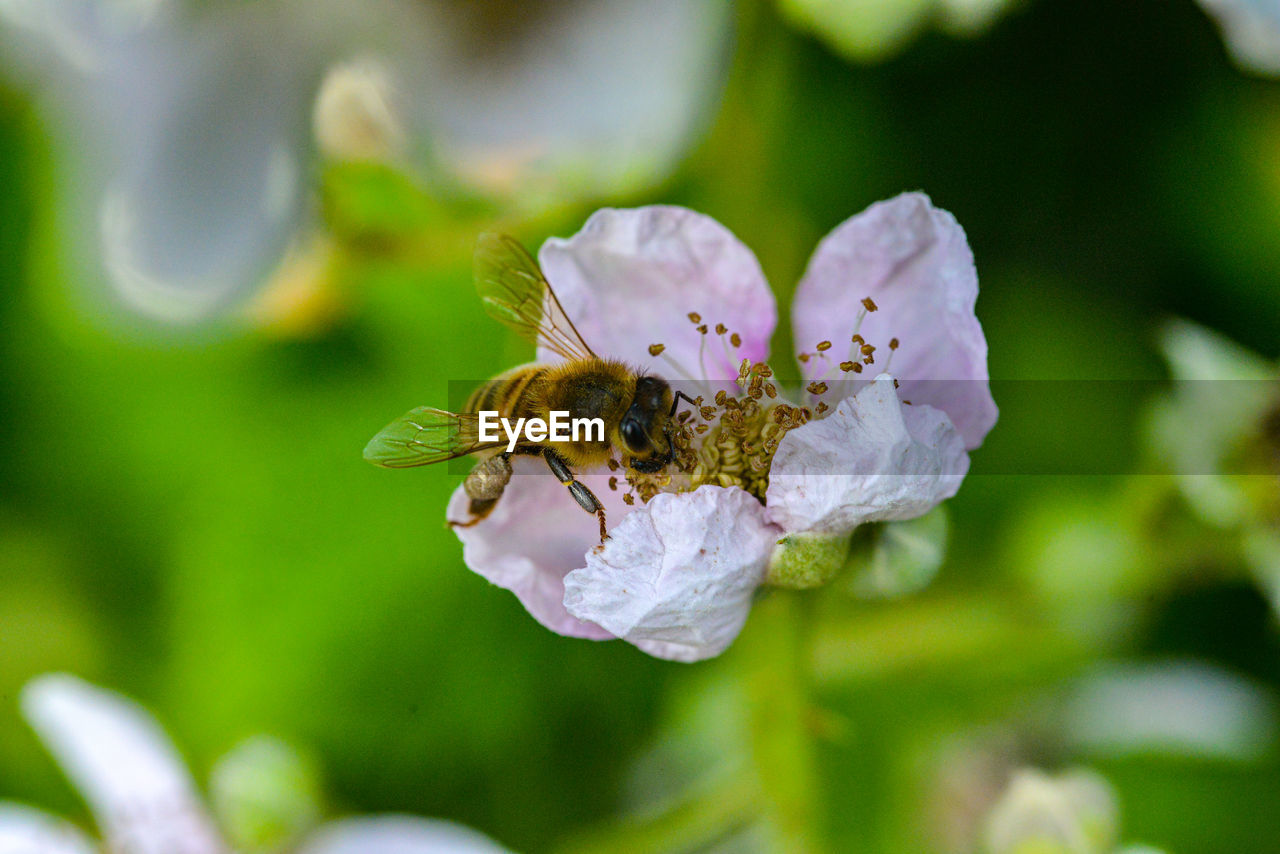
(675,402)
(585,497)
(484,485)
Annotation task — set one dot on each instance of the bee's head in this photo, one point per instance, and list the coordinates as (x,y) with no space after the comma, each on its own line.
(643,429)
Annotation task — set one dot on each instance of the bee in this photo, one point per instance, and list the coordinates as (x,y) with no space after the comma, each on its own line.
(637,409)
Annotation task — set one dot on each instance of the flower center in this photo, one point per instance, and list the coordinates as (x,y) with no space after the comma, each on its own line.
(731,439)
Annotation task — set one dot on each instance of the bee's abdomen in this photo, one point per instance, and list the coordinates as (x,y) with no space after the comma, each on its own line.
(508,394)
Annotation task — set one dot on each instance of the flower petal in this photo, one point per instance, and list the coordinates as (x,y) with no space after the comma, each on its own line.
(192,216)
(561,100)
(24,830)
(394,834)
(872,459)
(1251,30)
(124,766)
(913,260)
(630,278)
(676,577)
(535,535)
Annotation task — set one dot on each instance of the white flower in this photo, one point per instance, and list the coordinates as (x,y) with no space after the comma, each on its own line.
(677,575)
(185,127)
(145,801)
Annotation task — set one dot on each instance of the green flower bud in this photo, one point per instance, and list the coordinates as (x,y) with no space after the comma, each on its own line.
(265,795)
(803,560)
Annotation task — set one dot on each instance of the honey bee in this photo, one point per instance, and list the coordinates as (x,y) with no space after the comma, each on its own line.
(637,410)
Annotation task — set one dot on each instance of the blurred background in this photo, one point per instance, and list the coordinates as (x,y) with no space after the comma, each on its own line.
(235,241)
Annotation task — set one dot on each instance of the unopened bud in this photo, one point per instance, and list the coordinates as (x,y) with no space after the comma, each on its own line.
(805,560)
(1073,813)
(354,116)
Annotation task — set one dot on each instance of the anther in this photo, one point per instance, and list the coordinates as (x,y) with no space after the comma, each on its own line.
(823,346)
(721,329)
(822,407)
(893,343)
(869,304)
(817,388)
(656,349)
(708,412)
(867,349)
(613,484)
(803,357)
(895,382)
(703,329)
(848,366)
(694,317)
(770,390)
(720,397)
(629,499)
(735,339)
(614,465)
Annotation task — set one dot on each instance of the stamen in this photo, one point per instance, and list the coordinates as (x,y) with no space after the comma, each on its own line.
(893,348)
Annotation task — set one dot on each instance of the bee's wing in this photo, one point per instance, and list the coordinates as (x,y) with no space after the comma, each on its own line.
(425,435)
(514,291)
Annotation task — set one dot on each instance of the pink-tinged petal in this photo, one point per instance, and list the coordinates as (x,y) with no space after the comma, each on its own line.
(24,830)
(914,261)
(630,278)
(394,834)
(872,459)
(676,577)
(123,764)
(535,535)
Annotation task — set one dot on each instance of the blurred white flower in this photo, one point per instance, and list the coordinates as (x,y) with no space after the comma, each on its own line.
(1251,30)
(185,128)
(1074,813)
(1174,707)
(145,802)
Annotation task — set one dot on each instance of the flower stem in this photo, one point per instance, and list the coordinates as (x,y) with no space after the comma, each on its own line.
(774,673)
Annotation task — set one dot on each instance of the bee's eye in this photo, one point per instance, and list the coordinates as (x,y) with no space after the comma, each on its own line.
(633,434)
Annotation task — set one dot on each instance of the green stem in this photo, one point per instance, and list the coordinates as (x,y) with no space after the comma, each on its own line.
(774,673)
(693,823)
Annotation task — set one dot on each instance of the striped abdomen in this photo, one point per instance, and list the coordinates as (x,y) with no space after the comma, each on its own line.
(509,393)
